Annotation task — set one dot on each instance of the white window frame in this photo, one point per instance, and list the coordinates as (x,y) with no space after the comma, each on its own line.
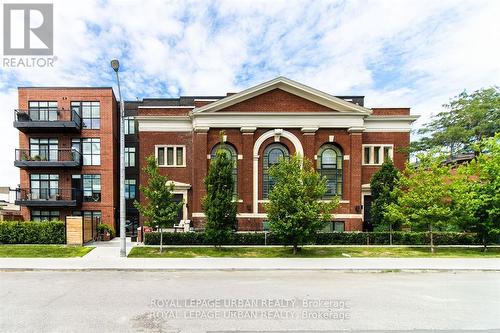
(372,153)
(176,163)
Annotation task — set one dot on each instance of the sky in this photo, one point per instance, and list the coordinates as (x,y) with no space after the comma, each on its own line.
(416,54)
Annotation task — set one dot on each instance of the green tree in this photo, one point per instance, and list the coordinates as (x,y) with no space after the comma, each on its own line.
(295,210)
(219,204)
(382,184)
(159,207)
(481,188)
(469,119)
(423,197)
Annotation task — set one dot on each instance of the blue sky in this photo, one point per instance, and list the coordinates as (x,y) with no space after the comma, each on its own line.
(396,53)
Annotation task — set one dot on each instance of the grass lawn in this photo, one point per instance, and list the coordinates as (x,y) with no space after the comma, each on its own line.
(310,252)
(43,251)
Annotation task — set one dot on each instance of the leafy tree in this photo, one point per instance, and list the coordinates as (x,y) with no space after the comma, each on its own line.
(219,204)
(295,210)
(382,184)
(469,119)
(160,209)
(481,188)
(423,197)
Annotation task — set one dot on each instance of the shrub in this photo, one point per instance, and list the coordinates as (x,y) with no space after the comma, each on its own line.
(102,228)
(32,232)
(332,238)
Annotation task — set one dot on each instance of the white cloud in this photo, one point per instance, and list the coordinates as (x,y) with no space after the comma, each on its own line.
(396,53)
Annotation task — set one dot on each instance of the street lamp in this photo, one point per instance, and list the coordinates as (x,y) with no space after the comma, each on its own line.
(115,64)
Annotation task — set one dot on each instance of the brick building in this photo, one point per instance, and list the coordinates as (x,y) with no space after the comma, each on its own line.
(347,142)
(67,153)
(68,148)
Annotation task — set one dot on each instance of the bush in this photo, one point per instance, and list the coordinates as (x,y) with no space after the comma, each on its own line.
(102,228)
(333,238)
(32,232)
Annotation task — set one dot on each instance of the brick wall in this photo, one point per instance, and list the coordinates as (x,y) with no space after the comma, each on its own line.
(108,134)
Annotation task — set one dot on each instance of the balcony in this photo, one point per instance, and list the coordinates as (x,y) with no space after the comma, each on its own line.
(47,158)
(42,120)
(48,197)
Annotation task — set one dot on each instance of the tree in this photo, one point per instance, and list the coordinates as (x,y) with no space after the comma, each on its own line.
(469,119)
(295,210)
(481,187)
(382,184)
(160,209)
(219,204)
(423,197)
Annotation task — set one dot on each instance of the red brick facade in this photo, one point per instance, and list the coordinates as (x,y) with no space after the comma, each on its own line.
(108,134)
(262,115)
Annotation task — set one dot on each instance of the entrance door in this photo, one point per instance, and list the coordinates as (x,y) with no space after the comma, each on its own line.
(367,216)
(179,198)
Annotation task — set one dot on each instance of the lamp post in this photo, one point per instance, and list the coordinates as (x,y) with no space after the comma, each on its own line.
(115,64)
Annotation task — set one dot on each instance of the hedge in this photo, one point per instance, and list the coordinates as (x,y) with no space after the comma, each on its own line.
(32,232)
(334,238)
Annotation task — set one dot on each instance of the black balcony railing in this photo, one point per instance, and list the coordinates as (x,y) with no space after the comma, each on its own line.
(48,197)
(41,157)
(47,118)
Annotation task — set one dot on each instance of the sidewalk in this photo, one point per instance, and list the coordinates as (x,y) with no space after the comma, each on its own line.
(230,264)
(106,256)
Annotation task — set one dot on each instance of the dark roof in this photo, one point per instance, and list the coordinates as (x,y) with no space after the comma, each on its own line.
(62,87)
(189,101)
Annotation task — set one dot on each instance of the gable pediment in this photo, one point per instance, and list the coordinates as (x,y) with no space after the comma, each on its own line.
(282,95)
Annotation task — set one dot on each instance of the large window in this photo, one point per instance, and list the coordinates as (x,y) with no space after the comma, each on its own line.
(171,156)
(90,113)
(91,188)
(44,186)
(44,215)
(231,152)
(43,149)
(94,215)
(43,111)
(329,165)
(91,151)
(130,188)
(273,154)
(130,156)
(129,125)
(377,154)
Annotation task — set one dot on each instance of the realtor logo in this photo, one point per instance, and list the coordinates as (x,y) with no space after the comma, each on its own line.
(28,29)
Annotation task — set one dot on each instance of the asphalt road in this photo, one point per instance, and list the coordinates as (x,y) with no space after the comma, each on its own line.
(250,301)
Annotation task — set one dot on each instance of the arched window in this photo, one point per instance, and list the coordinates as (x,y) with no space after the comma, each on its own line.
(330,165)
(229,149)
(272,155)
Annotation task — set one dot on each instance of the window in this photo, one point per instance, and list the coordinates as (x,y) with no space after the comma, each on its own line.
(91,151)
(130,156)
(129,124)
(43,111)
(43,149)
(171,156)
(44,215)
(377,154)
(273,154)
(329,165)
(90,113)
(94,215)
(44,186)
(91,188)
(130,188)
(339,226)
(231,152)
